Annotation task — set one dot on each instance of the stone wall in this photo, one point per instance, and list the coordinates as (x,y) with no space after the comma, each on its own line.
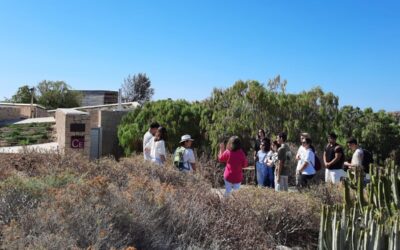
(70,137)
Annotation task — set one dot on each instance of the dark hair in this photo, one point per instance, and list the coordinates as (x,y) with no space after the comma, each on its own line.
(266,142)
(283,136)
(163,134)
(262,130)
(332,135)
(276,143)
(154,125)
(352,140)
(234,143)
(308,141)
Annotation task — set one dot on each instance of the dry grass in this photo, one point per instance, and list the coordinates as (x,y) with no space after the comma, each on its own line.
(57,202)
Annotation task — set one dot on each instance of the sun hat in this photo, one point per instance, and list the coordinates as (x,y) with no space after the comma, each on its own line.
(186,138)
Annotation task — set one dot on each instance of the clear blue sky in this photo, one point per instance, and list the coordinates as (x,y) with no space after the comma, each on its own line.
(189,47)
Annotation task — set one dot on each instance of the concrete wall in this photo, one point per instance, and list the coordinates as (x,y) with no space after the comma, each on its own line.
(109,121)
(18,111)
(94,118)
(9,113)
(98,97)
(64,119)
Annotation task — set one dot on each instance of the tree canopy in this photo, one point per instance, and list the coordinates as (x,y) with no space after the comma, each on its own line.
(137,88)
(247,106)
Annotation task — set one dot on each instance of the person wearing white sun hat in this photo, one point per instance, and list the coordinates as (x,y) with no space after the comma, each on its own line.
(184,158)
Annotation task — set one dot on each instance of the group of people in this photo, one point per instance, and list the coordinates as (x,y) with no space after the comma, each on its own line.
(272,158)
(154,148)
(273,161)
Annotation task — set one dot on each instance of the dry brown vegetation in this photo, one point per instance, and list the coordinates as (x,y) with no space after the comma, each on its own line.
(50,201)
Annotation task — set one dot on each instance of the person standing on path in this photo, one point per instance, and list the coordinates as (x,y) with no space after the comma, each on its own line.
(282,170)
(300,152)
(157,147)
(259,140)
(357,158)
(184,155)
(261,166)
(306,170)
(333,160)
(235,160)
(147,137)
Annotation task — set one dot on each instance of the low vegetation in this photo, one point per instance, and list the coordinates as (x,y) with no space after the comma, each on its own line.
(26,134)
(56,202)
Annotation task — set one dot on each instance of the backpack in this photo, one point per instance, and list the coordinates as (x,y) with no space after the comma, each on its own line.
(367,160)
(317,165)
(178,158)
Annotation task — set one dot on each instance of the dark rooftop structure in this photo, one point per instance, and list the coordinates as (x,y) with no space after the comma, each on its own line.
(98,97)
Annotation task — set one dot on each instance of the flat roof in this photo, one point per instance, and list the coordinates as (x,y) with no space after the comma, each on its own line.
(134,104)
(97,91)
(20,104)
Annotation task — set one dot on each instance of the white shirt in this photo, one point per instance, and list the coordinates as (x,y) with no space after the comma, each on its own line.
(302,150)
(308,157)
(357,158)
(146,139)
(188,158)
(157,148)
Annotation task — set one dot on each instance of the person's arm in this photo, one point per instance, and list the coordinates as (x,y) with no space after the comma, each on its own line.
(192,160)
(281,159)
(325,161)
(161,148)
(222,155)
(298,154)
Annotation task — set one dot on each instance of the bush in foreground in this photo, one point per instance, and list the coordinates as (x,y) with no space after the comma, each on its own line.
(134,204)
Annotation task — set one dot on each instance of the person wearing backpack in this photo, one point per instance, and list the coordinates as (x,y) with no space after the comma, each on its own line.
(300,152)
(184,158)
(356,163)
(333,160)
(306,170)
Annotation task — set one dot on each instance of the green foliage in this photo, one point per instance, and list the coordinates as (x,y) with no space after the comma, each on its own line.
(247,106)
(26,134)
(378,132)
(57,94)
(23,95)
(179,117)
(367,219)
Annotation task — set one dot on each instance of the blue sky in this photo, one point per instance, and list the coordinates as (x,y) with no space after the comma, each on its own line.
(187,48)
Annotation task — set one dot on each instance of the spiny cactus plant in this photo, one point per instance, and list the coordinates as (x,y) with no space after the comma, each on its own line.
(368,218)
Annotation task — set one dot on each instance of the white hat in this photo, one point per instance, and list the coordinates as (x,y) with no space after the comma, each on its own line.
(186,138)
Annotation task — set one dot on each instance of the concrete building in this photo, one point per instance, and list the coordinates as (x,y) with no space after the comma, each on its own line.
(17,111)
(98,97)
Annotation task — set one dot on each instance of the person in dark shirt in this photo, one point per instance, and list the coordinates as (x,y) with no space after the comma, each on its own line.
(333,160)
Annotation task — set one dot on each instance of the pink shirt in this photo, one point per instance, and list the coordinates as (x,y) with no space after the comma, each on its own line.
(235,162)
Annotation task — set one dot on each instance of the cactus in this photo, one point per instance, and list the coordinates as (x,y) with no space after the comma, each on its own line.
(370,220)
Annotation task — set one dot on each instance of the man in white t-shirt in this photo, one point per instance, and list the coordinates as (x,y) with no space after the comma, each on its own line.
(185,155)
(147,138)
(357,158)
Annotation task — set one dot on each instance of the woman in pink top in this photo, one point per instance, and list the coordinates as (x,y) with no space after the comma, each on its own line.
(235,160)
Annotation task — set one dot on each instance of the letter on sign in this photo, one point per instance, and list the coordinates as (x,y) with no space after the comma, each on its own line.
(77,141)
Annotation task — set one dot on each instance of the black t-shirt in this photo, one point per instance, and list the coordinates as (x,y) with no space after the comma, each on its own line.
(257,145)
(330,152)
